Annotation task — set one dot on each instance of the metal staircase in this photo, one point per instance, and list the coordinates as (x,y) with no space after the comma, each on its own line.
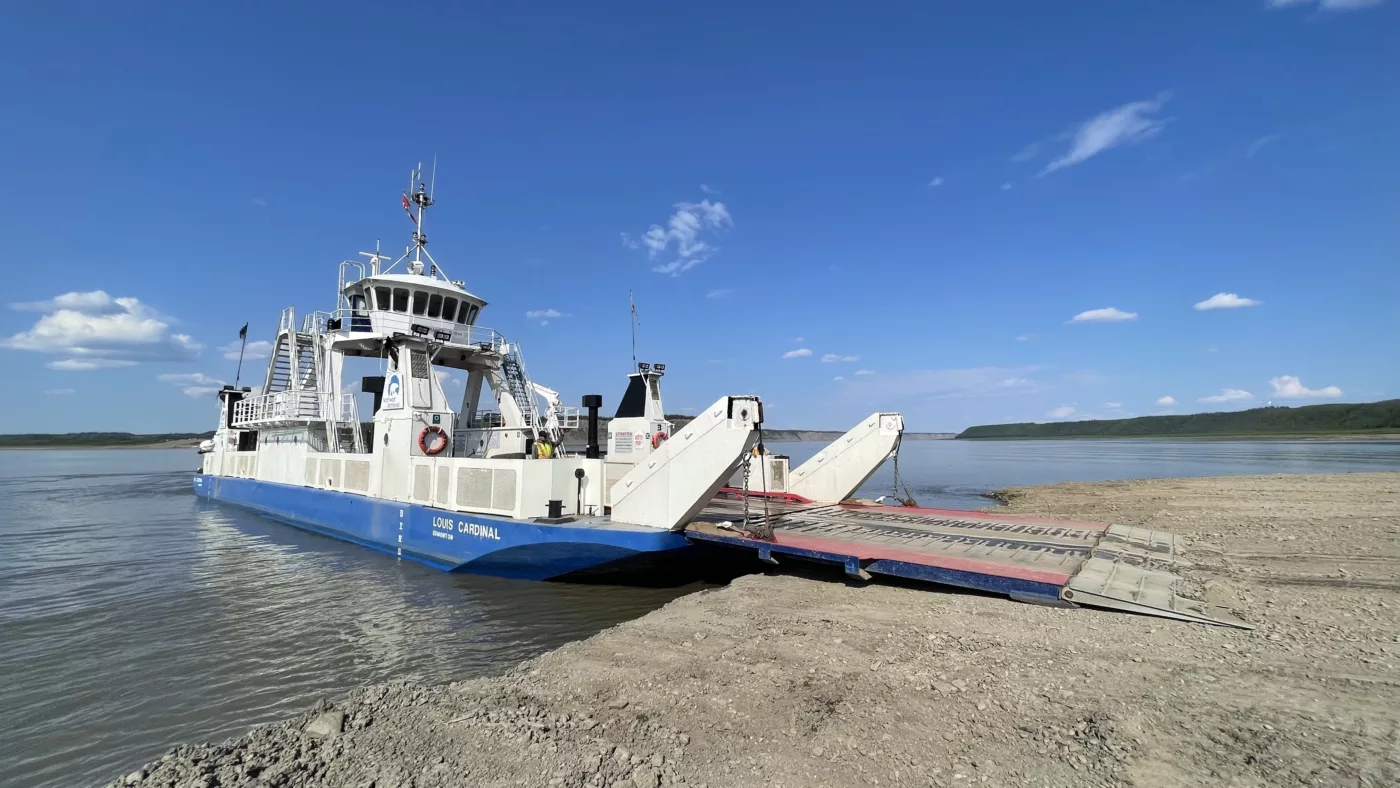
(518,384)
(345,432)
(297,391)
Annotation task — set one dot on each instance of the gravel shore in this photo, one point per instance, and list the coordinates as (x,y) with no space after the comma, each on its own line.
(810,681)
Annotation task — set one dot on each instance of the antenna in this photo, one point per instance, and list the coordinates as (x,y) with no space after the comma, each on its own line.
(418,194)
(635,319)
(374,258)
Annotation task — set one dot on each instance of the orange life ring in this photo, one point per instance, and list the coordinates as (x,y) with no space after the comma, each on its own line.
(438,446)
(658,439)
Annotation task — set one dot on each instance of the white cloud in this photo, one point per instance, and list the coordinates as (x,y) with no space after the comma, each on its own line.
(59,392)
(1166,401)
(839,377)
(718,293)
(1006,187)
(1027,153)
(1126,125)
(1113,405)
(708,190)
(544,315)
(1023,338)
(1107,315)
(801,352)
(833,358)
(1062,412)
(1289,387)
(260,202)
(938,181)
(94,330)
(798,340)
(73,364)
(1228,395)
(1259,144)
(445,378)
(1225,301)
(684,232)
(92,302)
(1328,5)
(255,350)
(865,372)
(193,384)
(948,384)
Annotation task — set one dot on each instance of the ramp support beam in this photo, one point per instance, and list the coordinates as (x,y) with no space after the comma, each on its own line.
(671,485)
(838,470)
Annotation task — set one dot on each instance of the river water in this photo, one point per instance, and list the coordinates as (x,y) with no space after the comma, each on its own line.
(134,616)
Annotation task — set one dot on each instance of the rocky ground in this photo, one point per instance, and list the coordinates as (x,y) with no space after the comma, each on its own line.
(803,681)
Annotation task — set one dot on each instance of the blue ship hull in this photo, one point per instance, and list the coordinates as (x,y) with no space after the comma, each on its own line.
(448,540)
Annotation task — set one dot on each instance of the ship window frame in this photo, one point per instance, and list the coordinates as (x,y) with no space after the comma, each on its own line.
(383,297)
(434,306)
(449,312)
(401,300)
(420,302)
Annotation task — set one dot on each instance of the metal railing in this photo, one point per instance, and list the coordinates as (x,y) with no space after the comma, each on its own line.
(568,417)
(352,321)
(281,407)
(484,419)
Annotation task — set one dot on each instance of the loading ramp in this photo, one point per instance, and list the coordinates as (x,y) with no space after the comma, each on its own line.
(1056,562)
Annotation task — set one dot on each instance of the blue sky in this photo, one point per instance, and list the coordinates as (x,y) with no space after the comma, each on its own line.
(840,207)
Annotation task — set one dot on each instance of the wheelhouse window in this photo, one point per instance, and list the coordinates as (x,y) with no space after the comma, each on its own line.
(449,308)
(471,319)
(434,305)
(381,298)
(400,299)
(463,312)
(420,302)
(357,304)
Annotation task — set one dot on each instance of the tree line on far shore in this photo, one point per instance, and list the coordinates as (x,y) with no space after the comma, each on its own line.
(82,439)
(1349,419)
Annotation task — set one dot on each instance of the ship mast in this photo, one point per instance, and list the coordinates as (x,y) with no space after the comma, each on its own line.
(420,195)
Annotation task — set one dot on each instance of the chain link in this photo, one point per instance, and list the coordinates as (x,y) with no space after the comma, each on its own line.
(907,499)
(744,492)
(759,451)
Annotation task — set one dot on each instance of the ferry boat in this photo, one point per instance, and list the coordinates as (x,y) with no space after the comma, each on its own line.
(497,492)
(494,492)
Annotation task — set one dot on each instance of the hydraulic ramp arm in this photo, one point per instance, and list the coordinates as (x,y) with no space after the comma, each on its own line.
(675,482)
(838,470)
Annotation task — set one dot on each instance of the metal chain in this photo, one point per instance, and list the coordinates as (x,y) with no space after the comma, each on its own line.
(907,500)
(767,531)
(744,492)
(894,492)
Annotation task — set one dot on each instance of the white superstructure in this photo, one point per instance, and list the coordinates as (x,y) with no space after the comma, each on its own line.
(303,425)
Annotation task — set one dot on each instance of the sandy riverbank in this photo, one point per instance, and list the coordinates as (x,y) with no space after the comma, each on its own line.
(791,681)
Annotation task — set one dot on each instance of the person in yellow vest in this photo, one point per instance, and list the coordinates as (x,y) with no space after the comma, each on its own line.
(543,450)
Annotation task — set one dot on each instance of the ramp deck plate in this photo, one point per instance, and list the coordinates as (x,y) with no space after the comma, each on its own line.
(1031,559)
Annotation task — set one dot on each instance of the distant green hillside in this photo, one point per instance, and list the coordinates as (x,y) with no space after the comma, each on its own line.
(1309,420)
(79,440)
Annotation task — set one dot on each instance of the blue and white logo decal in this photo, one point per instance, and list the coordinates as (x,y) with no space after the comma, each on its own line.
(393,392)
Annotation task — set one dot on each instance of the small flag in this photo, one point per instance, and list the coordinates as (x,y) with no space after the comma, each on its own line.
(243,332)
(635,316)
(408,209)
